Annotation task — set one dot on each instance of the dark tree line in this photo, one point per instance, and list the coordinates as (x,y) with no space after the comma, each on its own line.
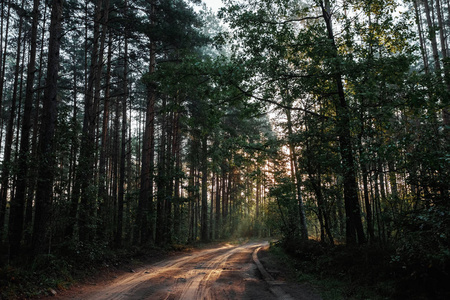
(119,129)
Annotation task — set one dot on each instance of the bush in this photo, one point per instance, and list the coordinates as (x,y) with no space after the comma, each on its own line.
(422,257)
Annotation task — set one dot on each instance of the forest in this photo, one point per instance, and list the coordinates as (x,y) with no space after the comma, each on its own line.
(131,124)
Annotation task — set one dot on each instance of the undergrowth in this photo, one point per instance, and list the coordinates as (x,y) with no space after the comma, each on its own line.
(68,264)
(360,272)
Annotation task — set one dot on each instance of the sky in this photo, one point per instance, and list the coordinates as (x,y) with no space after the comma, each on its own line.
(214,4)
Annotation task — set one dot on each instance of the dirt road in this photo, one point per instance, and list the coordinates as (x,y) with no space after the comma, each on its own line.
(227,272)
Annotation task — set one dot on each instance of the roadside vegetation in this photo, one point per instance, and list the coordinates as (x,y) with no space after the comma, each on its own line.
(364,272)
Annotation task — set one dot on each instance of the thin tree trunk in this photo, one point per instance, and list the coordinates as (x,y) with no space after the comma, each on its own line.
(379,197)
(258,201)
(443,41)
(161,181)
(170,171)
(115,168)
(123,152)
(145,211)
(364,171)
(18,201)
(218,213)
(297,179)
(224,222)
(85,174)
(204,217)
(393,179)
(432,36)
(2,80)
(5,52)
(211,209)
(176,155)
(325,227)
(2,18)
(423,48)
(191,197)
(74,144)
(177,185)
(103,172)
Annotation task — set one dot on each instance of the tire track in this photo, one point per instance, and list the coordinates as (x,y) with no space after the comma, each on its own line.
(123,288)
(188,277)
(199,285)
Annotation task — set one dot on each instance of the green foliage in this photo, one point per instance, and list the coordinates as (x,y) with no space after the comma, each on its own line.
(287,215)
(341,272)
(423,254)
(415,267)
(46,273)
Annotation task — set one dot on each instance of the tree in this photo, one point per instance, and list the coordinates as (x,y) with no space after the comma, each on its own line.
(2,80)
(354,228)
(145,214)
(46,172)
(18,202)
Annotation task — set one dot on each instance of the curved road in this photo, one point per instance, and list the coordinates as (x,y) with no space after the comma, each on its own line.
(227,272)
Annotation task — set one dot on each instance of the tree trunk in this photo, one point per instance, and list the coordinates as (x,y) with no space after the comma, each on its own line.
(18,201)
(218,213)
(211,208)
(176,157)
(204,218)
(354,228)
(443,35)
(44,191)
(224,201)
(115,168)
(2,80)
(423,48)
(191,197)
(258,202)
(297,179)
(85,173)
(432,36)
(104,205)
(161,181)
(317,186)
(177,184)
(145,211)
(364,171)
(123,151)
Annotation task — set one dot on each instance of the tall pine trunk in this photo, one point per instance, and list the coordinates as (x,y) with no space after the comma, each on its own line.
(18,201)
(44,191)
(85,177)
(2,84)
(104,205)
(145,213)
(123,151)
(218,213)
(204,165)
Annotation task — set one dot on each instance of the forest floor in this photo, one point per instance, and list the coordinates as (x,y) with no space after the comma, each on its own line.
(247,271)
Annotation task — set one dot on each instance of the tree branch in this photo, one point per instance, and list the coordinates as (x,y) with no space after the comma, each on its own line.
(250,94)
(292,20)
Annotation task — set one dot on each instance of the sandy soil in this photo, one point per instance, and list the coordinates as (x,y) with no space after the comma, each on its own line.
(226,272)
